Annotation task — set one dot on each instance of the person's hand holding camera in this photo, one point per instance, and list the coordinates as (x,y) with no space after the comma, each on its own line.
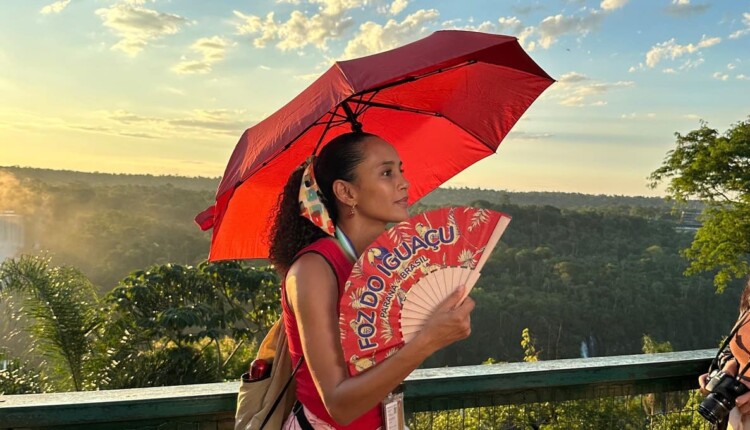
(743,401)
(730,368)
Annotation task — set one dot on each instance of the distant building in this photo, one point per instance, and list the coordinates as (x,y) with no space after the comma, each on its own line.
(689,221)
(11,235)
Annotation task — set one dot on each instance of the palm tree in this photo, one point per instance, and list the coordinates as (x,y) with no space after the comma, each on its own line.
(62,310)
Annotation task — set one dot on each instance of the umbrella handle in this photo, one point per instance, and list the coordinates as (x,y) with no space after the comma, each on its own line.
(352,117)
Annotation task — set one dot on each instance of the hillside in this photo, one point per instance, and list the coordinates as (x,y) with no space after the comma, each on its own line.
(572,267)
(439,197)
(59,177)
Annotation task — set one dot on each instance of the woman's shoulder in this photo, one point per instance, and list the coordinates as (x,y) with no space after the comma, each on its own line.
(324,244)
(314,258)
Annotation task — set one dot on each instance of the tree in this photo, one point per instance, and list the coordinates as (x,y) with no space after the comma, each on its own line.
(173,323)
(715,169)
(61,306)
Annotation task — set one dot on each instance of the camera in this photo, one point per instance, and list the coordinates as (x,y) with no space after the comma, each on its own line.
(724,390)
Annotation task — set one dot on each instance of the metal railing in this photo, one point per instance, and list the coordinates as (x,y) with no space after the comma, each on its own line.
(654,391)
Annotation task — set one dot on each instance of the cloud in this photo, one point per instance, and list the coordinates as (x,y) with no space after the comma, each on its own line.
(522,135)
(201,123)
(485,27)
(720,76)
(552,27)
(372,37)
(398,6)
(672,50)
(572,77)
(685,8)
(745,31)
(55,7)
(742,77)
(307,77)
(634,115)
(212,50)
(510,25)
(172,90)
(545,34)
(526,9)
(137,26)
(612,4)
(578,90)
(126,117)
(692,116)
(221,121)
(692,63)
(197,122)
(300,30)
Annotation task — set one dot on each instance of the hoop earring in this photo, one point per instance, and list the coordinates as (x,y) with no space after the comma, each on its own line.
(351,211)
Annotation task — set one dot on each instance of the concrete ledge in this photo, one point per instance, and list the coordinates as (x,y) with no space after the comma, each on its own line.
(424,389)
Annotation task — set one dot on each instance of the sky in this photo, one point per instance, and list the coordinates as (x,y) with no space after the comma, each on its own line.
(166,87)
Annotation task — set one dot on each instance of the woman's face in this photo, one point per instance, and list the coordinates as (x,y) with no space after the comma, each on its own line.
(381,188)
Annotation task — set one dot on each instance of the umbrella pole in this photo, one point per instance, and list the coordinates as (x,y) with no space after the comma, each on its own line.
(356,125)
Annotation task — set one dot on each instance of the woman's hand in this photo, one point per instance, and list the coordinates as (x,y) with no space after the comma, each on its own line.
(743,401)
(450,322)
(730,368)
(702,380)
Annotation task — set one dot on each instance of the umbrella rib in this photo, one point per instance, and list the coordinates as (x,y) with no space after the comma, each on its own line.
(401,108)
(414,78)
(425,112)
(325,130)
(474,135)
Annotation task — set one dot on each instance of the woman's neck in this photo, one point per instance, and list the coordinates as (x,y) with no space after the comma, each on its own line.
(360,234)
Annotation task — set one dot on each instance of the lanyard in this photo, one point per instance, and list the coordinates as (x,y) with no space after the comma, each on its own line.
(346,243)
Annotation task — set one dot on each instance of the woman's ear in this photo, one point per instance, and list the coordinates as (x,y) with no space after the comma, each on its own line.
(344,192)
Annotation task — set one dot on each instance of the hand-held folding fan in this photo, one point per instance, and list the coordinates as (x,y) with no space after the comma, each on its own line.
(406,273)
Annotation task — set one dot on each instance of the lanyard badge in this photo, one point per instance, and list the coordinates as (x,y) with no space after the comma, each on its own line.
(393,411)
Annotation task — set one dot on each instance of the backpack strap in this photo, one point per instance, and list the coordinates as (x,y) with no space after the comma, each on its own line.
(299,412)
(281,394)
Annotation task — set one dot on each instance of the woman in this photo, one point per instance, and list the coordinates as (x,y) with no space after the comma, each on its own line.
(361,189)
(729,361)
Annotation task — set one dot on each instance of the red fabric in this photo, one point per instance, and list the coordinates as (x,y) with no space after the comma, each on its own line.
(306,391)
(473,88)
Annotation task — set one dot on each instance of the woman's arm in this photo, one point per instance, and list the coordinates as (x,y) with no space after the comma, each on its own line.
(312,292)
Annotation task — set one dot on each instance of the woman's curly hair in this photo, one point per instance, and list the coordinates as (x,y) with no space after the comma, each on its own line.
(290,232)
(745,298)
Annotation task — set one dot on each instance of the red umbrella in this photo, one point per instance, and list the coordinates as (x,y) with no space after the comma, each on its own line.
(444,102)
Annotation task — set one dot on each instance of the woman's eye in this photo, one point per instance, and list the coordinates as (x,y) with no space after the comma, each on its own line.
(387,172)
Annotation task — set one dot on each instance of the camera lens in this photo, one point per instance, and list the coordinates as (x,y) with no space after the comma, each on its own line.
(713,409)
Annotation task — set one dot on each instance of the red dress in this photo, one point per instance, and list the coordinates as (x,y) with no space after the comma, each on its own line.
(306,391)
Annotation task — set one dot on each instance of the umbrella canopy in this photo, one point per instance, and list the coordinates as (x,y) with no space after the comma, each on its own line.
(444,102)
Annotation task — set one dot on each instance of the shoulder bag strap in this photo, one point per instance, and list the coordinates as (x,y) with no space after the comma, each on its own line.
(281,394)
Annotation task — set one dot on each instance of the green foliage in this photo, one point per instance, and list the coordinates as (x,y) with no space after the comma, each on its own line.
(167,325)
(715,169)
(602,270)
(530,354)
(599,277)
(61,306)
(64,177)
(17,378)
(108,225)
(187,315)
(650,346)
(164,365)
